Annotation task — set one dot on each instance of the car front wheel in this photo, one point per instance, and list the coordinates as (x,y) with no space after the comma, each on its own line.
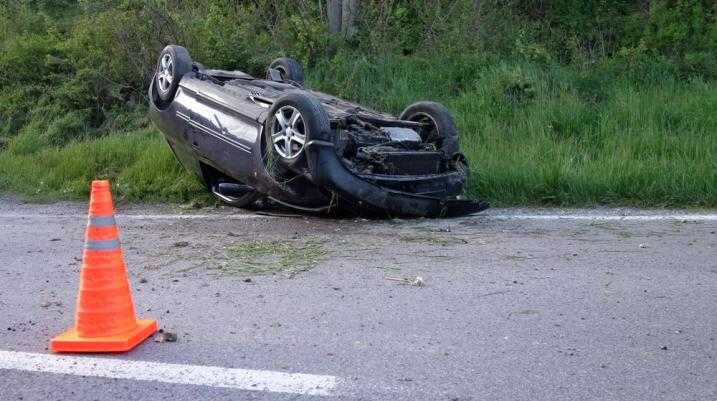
(292,121)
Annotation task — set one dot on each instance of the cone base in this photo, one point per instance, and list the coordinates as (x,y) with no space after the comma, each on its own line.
(69,341)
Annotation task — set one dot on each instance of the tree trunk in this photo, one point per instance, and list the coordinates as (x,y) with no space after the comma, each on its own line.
(646,6)
(333,12)
(349,13)
(342,16)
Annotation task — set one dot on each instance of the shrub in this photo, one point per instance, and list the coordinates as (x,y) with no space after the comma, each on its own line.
(557,100)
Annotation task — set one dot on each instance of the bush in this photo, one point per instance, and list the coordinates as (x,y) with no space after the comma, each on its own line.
(558,101)
(685,31)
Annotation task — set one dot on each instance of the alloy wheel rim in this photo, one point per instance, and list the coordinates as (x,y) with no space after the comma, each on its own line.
(288,132)
(165,73)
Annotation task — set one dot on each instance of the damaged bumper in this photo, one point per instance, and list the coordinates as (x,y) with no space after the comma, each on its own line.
(382,194)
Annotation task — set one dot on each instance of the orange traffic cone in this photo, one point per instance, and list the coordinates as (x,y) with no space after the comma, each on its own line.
(105,320)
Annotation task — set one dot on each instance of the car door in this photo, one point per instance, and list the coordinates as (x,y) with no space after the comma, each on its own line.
(221,129)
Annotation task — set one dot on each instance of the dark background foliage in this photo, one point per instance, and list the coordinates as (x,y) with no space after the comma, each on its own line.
(70,66)
(74,70)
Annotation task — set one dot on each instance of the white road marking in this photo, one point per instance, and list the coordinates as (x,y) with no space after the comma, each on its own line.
(191,216)
(141,216)
(213,376)
(605,217)
(504,216)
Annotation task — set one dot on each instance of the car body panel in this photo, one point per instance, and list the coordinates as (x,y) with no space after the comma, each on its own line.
(215,123)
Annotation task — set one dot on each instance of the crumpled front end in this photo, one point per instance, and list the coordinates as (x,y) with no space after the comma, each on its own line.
(390,170)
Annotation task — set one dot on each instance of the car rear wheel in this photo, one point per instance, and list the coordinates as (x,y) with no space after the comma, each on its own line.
(173,63)
(439,126)
(289,69)
(293,120)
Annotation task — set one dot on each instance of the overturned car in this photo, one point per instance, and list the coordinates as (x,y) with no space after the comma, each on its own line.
(249,138)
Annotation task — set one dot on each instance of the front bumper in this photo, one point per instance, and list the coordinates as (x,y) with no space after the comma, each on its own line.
(328,171)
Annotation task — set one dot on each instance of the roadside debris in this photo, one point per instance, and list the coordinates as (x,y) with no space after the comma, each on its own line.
(165,337)
(416,281)
(432,239)
(273,257)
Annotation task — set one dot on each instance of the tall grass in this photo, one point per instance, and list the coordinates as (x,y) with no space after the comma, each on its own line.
(139,163)
(535,134)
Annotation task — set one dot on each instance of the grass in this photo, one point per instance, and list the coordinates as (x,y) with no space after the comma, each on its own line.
(553,135)
(272,257)
(534,134)
(140,165)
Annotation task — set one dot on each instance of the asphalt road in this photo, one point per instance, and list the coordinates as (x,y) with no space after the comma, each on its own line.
(533,308)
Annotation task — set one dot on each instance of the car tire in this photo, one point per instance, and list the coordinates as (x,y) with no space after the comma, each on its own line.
(288,68)
(442,131)
(173,62)
(287,145)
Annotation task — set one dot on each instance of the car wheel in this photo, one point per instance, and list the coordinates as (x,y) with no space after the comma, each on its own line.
(173,63)
(292,121)
(440,128)
(288,68)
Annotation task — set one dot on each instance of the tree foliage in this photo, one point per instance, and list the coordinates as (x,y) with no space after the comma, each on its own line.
(78,68)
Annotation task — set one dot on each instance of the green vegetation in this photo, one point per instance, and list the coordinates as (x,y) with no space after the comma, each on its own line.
(271,257)
(558,102)
(432,239)
(141,166)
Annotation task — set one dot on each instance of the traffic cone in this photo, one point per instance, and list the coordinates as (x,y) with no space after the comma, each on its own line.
(105,320)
